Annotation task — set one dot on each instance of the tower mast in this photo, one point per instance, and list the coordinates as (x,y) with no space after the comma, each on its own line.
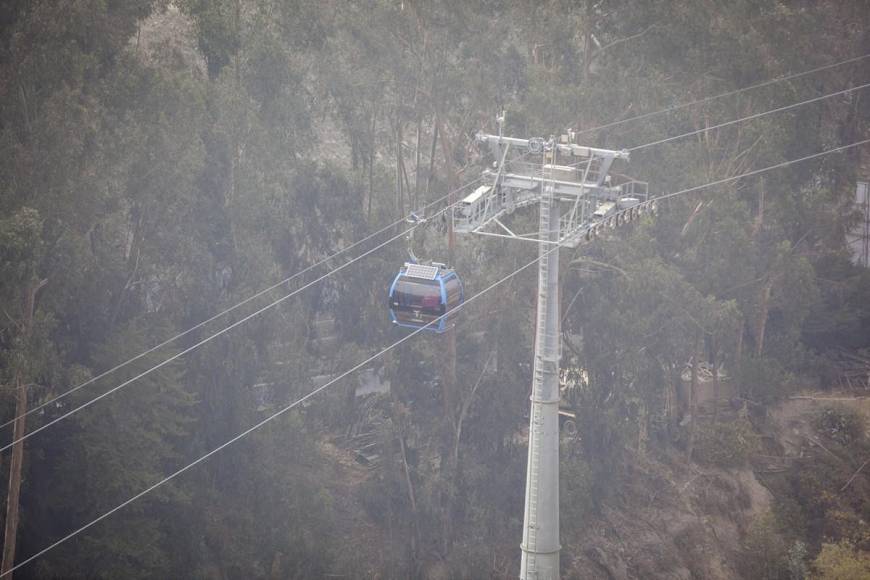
(592,201)
(540,547)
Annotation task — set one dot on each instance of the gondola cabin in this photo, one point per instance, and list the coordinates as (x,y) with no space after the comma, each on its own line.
(421,293)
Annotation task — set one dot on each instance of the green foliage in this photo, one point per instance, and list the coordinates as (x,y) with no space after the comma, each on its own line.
(841,561)
(841,424)
(576,499)
(813,502)
(218,31)
(90,472)
(728,444)
(763,380)
(21,252)
(152,192)
(766,553)
(20,245)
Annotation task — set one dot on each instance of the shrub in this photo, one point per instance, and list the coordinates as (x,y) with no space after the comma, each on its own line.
(575,490)
(763,380)
(766,553)
(726,444)
(797,561)
(841,562)
(840,424)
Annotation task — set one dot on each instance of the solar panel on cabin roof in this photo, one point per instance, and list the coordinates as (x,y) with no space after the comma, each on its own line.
(421,271)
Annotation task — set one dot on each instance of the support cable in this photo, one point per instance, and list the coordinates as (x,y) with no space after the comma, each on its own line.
(360,365)
(762,170)
(219,332)
(327,259)
(271,417)
(224,312)
(723,95)
(335,254)
(749,117)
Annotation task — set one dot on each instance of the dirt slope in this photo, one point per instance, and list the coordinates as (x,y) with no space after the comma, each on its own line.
(674,521)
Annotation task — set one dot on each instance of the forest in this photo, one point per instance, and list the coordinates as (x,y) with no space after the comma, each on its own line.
(201,211)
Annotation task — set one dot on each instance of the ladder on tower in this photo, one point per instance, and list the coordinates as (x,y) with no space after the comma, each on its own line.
(543,357)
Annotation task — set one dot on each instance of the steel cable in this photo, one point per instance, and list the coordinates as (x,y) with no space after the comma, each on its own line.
(224,312)
(358,366)
(327,259)
(218,333)
(723,95)
(382,230)
(749,117)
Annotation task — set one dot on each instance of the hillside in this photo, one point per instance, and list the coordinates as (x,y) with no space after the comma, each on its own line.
(204,205)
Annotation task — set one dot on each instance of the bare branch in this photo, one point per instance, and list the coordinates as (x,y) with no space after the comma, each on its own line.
(854,475)
(623,40)
(580,261)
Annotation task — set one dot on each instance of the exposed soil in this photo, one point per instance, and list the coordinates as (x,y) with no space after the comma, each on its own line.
(674,521)
(677,520)
(359,535)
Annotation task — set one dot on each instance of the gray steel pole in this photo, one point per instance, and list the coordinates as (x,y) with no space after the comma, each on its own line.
(540,547)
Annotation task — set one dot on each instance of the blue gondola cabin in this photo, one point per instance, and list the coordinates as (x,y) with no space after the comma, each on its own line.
(421,293)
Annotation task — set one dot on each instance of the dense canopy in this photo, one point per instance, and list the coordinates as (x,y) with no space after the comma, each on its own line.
(162,161)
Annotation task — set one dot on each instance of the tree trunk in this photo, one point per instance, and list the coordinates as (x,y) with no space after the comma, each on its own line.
(25,113)
(764,295)
(466,405)
(417,162)
(672,400)
(133,256)
(693,400)
(431,160)
(400,198)
(642,429)
(235,158)
(407,188)
(714,362)
(587,40)
(371,164)
(761,321)
(15,466)
(400,426)
(412,498)
(759,217)
(12,500)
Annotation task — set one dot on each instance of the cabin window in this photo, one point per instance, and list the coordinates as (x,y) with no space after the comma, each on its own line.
(418,293)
